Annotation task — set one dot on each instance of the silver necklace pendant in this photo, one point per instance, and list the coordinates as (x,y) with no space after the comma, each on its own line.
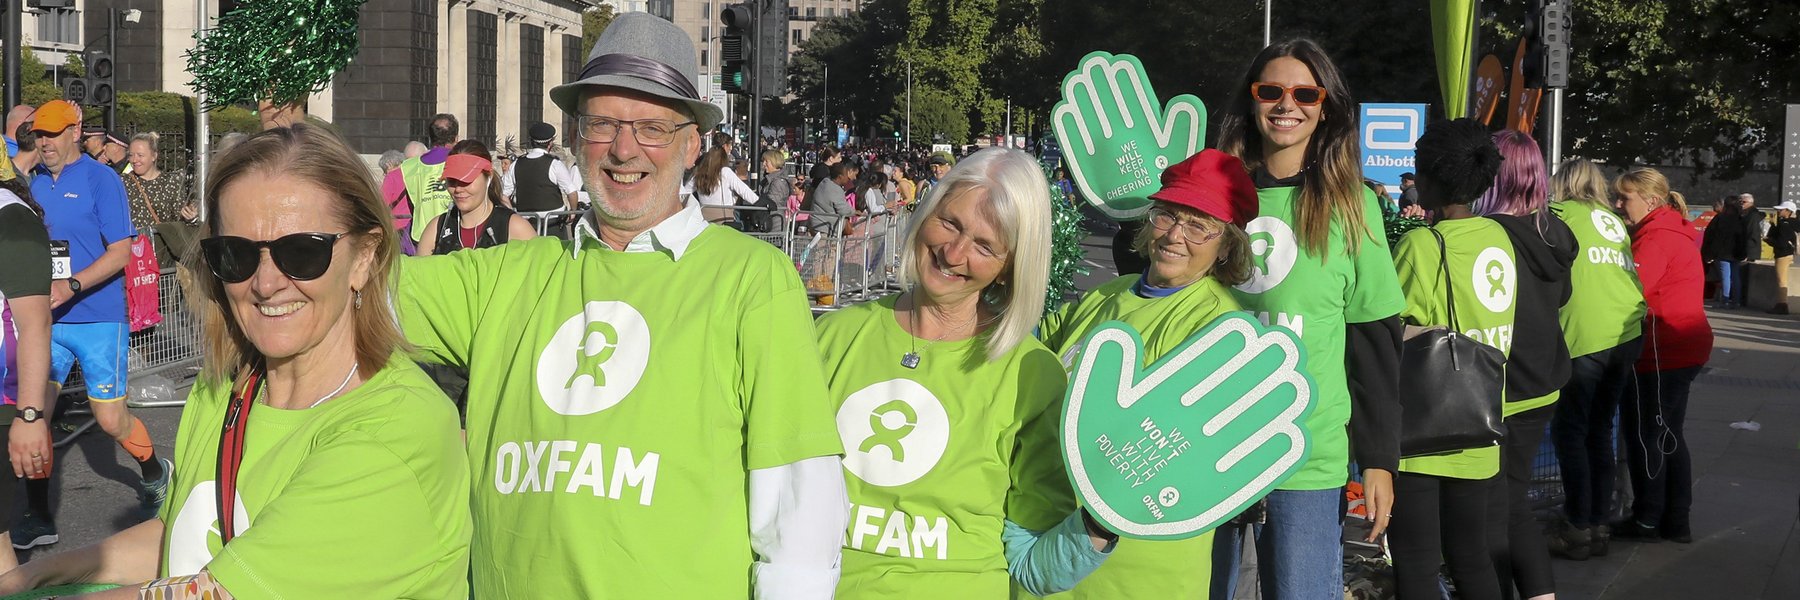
(910,360)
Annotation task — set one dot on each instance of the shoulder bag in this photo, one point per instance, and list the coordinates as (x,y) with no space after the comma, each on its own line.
(1451,386)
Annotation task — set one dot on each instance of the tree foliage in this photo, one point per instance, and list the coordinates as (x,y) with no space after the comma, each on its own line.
(1690,80)
(1682,80)
(594,21)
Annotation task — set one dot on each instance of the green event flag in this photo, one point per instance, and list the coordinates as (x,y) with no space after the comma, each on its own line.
(1172,450)
(1452,33)
(1117,137)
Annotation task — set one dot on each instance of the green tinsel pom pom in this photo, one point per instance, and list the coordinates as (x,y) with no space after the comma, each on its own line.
(1065,245)
(281,50)
(1398,226)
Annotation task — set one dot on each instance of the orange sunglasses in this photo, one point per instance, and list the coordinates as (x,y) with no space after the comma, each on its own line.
(1303,95)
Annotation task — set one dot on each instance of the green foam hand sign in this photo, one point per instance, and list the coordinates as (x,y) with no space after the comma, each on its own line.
(1175,449)
(1117,138)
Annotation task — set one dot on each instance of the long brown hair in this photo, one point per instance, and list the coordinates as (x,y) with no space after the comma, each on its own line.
(710,169)
(1331,190)
(321,158)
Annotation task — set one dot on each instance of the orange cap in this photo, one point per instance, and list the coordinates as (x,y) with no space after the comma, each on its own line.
(55,116)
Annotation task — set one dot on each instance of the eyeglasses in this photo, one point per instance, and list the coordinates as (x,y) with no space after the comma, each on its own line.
(300,256)
(1195,232)
(1304,95)
(651,133)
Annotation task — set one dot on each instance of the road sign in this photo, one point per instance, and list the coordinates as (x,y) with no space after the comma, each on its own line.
(1388,134)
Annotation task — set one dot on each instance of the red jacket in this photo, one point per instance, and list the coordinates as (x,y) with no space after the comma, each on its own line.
(1676,334)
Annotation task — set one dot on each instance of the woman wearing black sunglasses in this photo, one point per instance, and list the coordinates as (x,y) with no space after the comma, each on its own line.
(342,463)
(1321,269)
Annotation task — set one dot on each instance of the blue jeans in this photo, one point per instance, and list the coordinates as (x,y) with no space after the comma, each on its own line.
(1729,280)
(1582,430)
(1299,551)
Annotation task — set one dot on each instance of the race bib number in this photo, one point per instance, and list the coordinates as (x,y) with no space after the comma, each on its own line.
(1172,450)
(60,266)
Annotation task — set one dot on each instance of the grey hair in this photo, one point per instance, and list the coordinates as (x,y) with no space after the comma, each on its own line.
(1018,199)
(390,160)
(414,149)
(227,141)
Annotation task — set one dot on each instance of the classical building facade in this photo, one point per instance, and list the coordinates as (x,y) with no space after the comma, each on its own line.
(489,62)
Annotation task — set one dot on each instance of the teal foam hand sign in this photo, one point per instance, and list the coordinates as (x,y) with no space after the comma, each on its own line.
(1172,450)
(1115,135)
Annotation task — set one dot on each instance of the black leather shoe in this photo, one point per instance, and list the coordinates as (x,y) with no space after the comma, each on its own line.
(1679,534)
(1632,530)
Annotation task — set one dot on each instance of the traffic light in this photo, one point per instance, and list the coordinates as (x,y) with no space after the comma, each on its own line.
(1554,30)
(772,49)
(99,78)
(1547,36)
(735,48)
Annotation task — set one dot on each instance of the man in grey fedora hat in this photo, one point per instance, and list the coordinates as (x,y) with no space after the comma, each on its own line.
(647,416)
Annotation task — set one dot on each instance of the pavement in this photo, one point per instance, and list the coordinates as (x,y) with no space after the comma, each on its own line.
(1746,514)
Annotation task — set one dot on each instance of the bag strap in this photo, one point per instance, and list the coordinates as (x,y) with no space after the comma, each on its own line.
(139,184)
(1449,294)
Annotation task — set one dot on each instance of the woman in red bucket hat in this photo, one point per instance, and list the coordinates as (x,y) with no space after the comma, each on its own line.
(1195,242)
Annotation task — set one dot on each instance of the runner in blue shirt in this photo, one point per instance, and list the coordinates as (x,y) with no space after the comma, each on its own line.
(90,240)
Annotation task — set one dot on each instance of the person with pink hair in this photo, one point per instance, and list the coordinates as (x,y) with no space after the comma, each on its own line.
(1538,365)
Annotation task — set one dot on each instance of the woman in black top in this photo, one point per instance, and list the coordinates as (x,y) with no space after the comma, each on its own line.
(1538,364)
(477,217)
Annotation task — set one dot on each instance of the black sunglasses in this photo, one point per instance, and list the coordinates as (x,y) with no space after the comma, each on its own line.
(300,256)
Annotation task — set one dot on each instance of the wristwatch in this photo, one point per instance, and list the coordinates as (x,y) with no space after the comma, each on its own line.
(30,414)
(74,285)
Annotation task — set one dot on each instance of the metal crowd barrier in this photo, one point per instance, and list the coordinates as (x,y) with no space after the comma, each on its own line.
(545,220)
(170,350)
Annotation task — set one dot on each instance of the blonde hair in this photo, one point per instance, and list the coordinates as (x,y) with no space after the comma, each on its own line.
(1018,200)
(1579,180)
(321,158)
(1650,182)
(1233,267)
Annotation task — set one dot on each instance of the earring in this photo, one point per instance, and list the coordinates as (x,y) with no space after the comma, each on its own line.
(358,300)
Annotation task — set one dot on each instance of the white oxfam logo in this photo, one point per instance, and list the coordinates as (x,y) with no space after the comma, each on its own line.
(894,432)
(595,359)
(1610,226)
(1272,254)
(196,527)
(1494,279)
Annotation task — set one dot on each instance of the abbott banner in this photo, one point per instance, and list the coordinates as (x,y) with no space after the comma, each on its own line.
(1388,134)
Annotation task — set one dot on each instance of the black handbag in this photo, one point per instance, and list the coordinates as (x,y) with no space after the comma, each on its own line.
(1451,386)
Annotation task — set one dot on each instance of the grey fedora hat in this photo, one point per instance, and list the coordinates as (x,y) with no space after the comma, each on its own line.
(642,52)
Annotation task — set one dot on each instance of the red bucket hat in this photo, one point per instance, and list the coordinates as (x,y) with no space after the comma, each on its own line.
(1211,182)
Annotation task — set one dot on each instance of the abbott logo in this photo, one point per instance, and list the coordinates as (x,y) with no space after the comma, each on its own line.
(1401,123)
(195,531)
(1494,279)
(1609,226)
(893,432)
(595,359)
(1272,254)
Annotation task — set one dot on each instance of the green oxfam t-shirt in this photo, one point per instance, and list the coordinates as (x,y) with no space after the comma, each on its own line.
(1484,273)
(617,402)
(1316,298)
(938,457)
(1143,568)
(364,496)
(1607,306)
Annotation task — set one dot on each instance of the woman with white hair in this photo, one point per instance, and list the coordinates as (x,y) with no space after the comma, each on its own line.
(948,408)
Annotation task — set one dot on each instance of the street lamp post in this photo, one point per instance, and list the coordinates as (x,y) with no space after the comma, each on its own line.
(1268,20)
(909,84)
(830,131)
